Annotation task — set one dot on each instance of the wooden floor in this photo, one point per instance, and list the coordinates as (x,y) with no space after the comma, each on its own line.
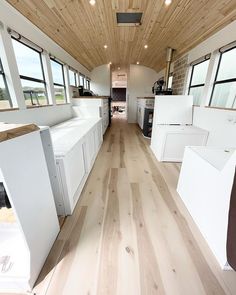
(130,233)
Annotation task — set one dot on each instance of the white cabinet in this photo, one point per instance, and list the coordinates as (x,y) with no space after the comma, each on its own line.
(168,141)
(76,143)
(205,186)
(172,128)
(24,173)
(90,107)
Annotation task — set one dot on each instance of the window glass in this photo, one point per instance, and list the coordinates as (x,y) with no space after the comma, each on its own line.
(77,79)
(34,93)
(28,61)
(59,82)
(57,72)
(196,92)
(60,94)
(170,80)
(5,102)
(81,80)
(197,81)
(224,95)
(199,73)
(30,67)
(227,69)
(72,78)
(224,90)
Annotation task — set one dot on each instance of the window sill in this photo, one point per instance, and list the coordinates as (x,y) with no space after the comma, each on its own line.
(218,108)
(62,104)
(36,107)
(9,110)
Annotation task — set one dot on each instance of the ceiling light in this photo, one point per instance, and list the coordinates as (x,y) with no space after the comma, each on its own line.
(92,2)
(168,2)
(145,46)
(118,68)
(137,62)
(105,46)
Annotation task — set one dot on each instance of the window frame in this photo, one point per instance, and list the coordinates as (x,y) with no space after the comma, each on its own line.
(191,77)
(2,73)
(34,79)
(221,81)
(63,75)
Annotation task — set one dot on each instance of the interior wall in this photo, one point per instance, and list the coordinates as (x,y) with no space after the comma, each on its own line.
(140,82)
(220,123)
(101,80)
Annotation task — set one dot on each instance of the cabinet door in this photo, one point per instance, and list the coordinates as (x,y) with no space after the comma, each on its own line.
(90,148)
(75,172)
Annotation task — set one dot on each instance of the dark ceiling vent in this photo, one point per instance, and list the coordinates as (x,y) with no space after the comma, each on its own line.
(129,18)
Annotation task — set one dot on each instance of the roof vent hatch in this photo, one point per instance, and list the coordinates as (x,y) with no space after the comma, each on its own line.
(129,19)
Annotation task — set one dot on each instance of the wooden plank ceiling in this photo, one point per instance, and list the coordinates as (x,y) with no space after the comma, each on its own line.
(82,29)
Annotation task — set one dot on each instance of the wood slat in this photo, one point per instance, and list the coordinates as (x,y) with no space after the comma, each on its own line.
(82,29)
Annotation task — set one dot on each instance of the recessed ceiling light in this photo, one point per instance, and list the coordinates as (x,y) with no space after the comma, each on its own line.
(137,62)
(105,46)
(145,46)
(168,2)
(92,2)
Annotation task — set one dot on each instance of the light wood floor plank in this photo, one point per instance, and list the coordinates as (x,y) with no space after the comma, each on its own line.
(130,233)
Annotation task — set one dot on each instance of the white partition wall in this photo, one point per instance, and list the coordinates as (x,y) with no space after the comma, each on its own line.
(205,185)
(25,177)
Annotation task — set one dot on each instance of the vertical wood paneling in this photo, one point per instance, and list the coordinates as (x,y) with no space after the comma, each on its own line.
(82,29)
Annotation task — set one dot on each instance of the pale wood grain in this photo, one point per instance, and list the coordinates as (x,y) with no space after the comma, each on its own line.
(130,232)
(9,131)
(82,29)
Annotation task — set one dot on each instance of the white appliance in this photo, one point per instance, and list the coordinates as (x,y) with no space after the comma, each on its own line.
(172,128)
(205,185)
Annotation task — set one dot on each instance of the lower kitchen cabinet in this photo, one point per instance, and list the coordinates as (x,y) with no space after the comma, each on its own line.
(76,143)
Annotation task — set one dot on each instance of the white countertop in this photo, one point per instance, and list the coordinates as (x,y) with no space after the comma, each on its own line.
(217,157)
(67,134)
(181,129)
